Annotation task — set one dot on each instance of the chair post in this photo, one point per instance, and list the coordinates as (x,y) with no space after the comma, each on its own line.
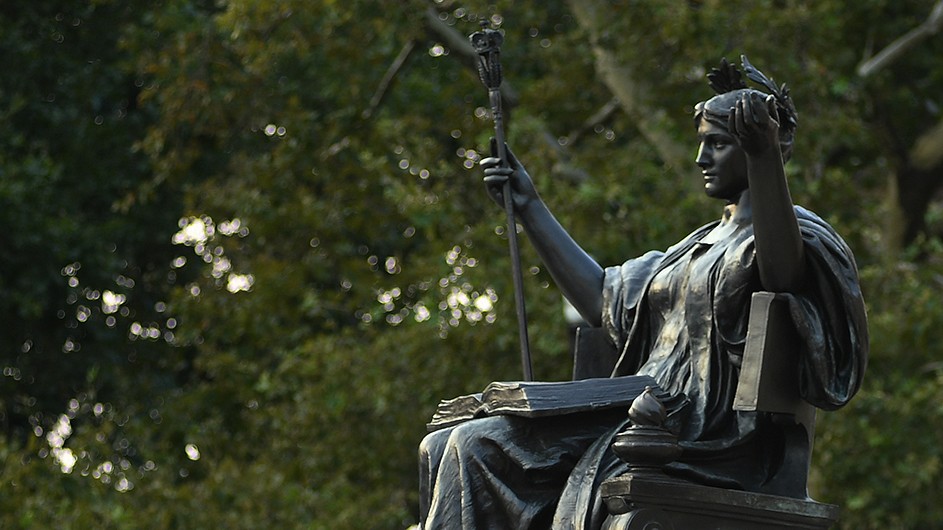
(594,355)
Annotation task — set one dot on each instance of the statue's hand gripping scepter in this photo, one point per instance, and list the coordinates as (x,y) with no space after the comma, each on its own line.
(487,44)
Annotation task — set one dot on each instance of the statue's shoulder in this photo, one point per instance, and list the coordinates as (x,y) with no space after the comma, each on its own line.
(814,226)
(804,213)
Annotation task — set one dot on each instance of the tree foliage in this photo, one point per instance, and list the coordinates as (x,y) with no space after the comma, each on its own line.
(247,249)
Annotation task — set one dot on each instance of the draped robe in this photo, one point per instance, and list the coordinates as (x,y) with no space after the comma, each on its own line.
(680,316)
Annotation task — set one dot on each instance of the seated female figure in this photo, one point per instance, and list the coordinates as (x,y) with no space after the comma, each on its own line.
(679,316)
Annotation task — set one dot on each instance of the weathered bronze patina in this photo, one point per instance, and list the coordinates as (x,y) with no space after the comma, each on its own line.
(680,316)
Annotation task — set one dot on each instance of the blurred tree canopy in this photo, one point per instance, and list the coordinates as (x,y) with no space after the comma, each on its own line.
(246,249)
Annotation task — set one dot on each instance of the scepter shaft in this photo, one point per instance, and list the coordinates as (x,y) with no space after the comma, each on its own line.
(516,272)
(487,43)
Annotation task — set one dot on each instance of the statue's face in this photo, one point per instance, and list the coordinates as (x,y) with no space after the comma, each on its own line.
(723,163)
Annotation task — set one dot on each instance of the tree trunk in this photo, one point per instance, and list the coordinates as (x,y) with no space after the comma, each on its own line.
(634,94)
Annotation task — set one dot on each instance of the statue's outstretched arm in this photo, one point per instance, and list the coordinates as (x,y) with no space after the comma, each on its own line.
(575,272)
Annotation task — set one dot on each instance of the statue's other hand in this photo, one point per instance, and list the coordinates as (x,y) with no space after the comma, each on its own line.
(753,123)
(497,173)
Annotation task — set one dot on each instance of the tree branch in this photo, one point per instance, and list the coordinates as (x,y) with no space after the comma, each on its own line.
(919,176)
(634,95)
(930,26)
(601,116)
(391,72)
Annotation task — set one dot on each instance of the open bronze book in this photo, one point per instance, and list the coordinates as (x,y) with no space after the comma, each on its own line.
(535,398)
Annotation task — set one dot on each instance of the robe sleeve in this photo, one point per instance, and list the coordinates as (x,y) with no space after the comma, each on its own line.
(830,318)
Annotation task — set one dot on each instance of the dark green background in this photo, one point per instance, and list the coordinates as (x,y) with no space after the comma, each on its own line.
(368,239)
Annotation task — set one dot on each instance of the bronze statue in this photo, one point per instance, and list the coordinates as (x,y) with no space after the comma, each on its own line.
(679,316)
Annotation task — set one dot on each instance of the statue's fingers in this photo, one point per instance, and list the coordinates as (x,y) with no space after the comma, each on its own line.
(498,170)
(732,122)
(489,162)
(749,116)
(771,108)
(495,179)
(741,121)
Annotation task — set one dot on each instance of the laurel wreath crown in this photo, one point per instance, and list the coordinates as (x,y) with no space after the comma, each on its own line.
(727,78)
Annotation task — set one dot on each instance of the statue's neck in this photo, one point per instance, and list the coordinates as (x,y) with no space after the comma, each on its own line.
(736,214)
(739,211)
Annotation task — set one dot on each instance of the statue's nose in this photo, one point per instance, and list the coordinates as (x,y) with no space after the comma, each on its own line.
(702,160)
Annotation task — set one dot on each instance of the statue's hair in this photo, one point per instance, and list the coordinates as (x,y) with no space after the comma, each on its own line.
(728,83)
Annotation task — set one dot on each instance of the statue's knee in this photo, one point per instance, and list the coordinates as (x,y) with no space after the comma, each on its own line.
(477,436)
(464,434)
(431,445)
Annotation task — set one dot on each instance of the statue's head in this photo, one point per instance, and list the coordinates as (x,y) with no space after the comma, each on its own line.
(729,86)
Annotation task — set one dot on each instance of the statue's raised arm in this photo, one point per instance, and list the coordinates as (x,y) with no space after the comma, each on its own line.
(763,125)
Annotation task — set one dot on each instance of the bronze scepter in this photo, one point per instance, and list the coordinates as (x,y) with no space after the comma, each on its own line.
(487,44)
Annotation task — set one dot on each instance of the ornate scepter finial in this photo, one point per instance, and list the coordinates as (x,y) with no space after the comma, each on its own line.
(487,44)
